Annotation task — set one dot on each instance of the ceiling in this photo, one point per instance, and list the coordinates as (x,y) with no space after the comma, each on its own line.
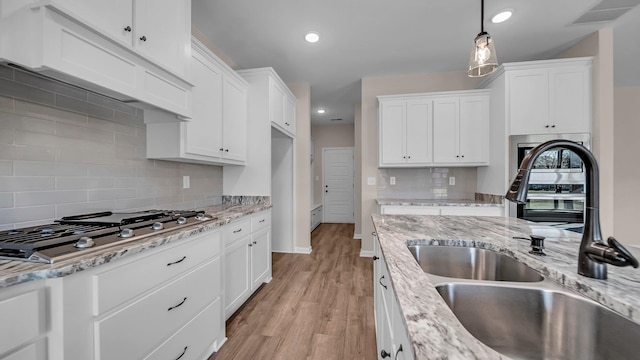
(369,38)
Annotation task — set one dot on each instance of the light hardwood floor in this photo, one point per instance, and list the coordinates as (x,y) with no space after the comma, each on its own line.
(318,306)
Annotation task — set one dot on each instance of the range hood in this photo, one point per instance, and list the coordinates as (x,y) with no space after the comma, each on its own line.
(40,38)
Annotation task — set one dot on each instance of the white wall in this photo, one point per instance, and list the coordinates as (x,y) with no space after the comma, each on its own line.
(627,164)
(302,167)
(67,151)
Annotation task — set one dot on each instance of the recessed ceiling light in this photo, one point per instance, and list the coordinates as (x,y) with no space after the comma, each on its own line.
(320,111)
(503,15)
(312,37)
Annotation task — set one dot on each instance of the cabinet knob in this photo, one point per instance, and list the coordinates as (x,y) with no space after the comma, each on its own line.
(255,242)
(384,354)
(375,257)
(404,157)
(226,150)
(221,149)
(553,126)
(286,123)
(128,28)
(250,245)
(462,155)
(143,38)
(408,157)
(457,156)
(546,126)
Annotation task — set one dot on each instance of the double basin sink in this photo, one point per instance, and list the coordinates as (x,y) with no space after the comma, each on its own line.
(513,309)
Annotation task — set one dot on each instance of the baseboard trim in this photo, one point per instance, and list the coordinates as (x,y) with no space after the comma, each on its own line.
(357,236)
(366,253)
(303,250)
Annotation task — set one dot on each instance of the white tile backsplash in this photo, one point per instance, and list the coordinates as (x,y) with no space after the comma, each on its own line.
(60,156)
(427,183)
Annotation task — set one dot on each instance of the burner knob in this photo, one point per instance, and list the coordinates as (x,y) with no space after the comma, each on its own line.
(84,242)
(126,233)
(200,216)
(157,226)
(181,220)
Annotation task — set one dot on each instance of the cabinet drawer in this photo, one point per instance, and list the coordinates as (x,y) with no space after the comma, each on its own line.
(26,314)
(260,221)
(191,342)
(236,230)
(134,331)
(115,286)
(472,210)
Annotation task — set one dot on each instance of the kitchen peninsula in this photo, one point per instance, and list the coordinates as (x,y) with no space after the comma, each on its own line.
(433,330)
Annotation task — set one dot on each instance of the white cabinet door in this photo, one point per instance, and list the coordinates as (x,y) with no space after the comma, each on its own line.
(290,114)
(234,127)
(112,18)
(276,104)
(418,132)
(260,258)
(162,32)
(237,282)
(474,130)
(392,132)
(569,100)
(202,133)
(445,129)
(528,101)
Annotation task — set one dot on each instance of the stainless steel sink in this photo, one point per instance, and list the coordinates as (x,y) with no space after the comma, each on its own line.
(529,323)
(471,263)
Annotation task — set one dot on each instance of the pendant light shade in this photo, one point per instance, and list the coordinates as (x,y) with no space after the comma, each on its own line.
(483,59)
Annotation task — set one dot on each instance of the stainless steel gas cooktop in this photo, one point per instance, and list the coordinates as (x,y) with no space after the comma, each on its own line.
(75,235)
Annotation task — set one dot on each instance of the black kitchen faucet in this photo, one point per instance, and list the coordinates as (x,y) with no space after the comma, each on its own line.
(594,253)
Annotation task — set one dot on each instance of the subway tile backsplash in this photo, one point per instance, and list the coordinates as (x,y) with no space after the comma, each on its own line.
(67,151)
(427,183)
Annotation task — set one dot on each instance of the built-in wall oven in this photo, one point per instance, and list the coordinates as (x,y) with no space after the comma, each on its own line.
(556,187)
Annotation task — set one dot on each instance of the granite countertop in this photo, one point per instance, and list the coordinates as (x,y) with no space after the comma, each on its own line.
(432,327)
(437,202)
(16,272)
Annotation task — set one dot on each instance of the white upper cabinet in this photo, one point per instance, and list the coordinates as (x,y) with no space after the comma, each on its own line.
(282,108)
(131,50)
(158,30)
(461,128)
(217,133)
(405,132)
(549,96)
(434,129)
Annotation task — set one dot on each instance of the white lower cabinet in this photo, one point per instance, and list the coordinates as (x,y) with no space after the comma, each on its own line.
(145,306)
(316,217)
(391,331)
(442,210)
(25,313)
(247,258)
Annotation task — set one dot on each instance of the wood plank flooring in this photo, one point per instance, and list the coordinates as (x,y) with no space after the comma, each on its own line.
(318,306)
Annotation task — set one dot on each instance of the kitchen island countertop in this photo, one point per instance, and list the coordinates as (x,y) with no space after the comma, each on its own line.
(16,272)
(433,329)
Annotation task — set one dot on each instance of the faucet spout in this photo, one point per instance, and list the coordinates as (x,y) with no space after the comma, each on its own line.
(594,253)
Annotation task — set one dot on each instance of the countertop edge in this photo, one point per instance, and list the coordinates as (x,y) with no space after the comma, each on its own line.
(18,272)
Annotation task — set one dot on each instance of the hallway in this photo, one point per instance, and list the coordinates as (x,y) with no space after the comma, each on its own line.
(318,306)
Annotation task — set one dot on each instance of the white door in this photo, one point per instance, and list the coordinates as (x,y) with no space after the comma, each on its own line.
(337,173)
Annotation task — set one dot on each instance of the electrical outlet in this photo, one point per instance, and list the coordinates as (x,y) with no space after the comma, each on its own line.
(186,182)
(392,180)
(452,180)
(371,180)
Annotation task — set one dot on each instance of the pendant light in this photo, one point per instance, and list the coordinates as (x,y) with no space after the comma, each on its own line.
(483,60)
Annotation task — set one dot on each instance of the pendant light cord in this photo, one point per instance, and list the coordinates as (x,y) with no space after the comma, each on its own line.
(481,16)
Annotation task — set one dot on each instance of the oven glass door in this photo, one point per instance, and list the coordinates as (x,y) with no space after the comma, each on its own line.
(556,187)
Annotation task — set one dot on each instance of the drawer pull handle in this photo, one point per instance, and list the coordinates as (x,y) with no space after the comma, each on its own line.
(183,352)
(380,281)
(177,262)
(237,231)
(261,221)
(182,302)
